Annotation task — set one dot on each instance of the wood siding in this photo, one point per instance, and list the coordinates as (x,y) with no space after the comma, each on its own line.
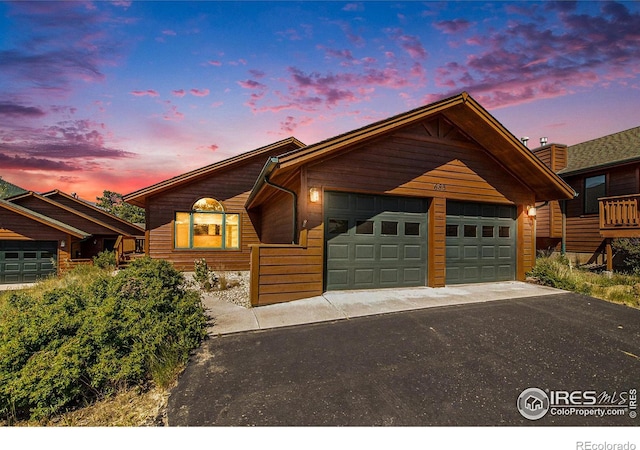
(231,187)
(583,230)
(430,160)
(277,215)
(281,273)
(14,226)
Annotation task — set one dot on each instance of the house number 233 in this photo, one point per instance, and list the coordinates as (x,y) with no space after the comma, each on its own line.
(439,187)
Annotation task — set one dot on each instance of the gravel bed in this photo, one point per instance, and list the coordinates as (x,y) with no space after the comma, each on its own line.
(238,294)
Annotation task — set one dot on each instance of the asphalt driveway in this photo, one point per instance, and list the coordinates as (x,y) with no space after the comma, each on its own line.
(450,365)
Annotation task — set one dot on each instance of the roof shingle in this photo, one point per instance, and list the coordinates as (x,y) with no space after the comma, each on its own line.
(604,151)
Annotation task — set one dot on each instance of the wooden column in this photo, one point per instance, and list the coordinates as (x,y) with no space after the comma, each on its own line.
(436,251)
(609,251)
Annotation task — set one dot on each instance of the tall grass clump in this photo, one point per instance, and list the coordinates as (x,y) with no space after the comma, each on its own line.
(68,342)
(557,272)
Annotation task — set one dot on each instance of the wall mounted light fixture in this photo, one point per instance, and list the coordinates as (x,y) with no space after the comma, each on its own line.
(314,195)
(531,211)
(63,244)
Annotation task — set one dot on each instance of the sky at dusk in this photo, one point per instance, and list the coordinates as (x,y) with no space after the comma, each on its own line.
(119,95)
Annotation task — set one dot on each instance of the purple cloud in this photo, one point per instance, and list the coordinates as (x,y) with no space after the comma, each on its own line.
(66,140)
(16,162)
(453,26)
(15,110)
(179,93)
(61,49)
(528,61)
(148,92)
(410,44)
(199,92)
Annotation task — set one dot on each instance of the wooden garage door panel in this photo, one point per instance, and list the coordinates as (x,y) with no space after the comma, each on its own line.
(480,243)
(374,241)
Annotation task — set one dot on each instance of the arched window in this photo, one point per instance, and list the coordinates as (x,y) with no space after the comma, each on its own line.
(207,204)
(207,226)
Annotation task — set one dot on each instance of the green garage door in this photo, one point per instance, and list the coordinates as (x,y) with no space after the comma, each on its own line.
(374,241)
(480,243)
(26,261)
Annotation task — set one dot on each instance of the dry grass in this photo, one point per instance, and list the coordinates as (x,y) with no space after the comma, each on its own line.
(129,408)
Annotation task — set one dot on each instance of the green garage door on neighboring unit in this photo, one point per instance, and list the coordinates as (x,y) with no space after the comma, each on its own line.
(375,241)
(26,261)
(480,243)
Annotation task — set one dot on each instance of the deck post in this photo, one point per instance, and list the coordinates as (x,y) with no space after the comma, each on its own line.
(609,255)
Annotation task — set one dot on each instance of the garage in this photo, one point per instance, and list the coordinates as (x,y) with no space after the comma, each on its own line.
(480,243)
(26,261)
(374,241)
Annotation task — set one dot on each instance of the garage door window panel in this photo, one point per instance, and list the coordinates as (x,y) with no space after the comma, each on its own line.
(389,228)
(338,226)
(470,231)
(412,229)
(364,227)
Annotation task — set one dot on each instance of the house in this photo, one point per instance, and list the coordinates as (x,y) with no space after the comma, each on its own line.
(434,196)
(44,234)
(605,173)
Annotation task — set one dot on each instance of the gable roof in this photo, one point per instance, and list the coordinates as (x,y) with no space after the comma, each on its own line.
(48,221)
(138,197)
(60,206)
(616,148)
(94,208)
(461,110)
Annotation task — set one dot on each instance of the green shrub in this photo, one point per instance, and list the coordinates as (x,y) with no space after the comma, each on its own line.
(206,279)
(105,260)
(94,333)
(629,248)
(554,272)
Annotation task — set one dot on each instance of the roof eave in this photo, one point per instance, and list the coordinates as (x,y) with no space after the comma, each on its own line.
(33,215)
(138,197)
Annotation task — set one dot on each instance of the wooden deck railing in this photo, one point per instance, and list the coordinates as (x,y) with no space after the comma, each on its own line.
(127,245)
(619,216)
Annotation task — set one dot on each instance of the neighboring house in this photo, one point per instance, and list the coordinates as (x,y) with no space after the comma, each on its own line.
(43,234)
(605,173)
(438,195)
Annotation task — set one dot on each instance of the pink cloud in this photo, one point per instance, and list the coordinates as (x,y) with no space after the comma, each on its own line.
(172,114)
(212,147)
(169,33)
(199,92)
(148,92)
(214,63)
(179,93)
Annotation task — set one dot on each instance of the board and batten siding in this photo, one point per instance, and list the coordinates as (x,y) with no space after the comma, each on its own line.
(428,160)
(230,187)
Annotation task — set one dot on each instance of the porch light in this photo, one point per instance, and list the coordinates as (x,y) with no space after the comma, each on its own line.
(531,211)
(314,195)
(63,244)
